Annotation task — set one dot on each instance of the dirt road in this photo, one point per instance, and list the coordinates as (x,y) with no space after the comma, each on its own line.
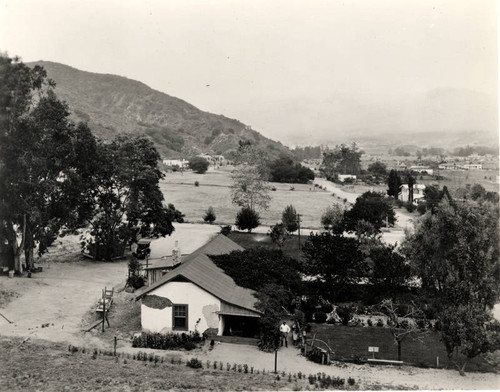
(59,297)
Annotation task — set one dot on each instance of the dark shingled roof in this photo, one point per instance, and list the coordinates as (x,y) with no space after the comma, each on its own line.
(200,270)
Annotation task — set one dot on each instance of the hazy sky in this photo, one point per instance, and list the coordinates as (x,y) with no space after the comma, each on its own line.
(270,64)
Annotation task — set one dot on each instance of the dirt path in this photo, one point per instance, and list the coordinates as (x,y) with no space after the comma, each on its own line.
(59,296)
(290,361)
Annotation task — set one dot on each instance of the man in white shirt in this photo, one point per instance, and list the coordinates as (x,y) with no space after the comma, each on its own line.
(284,330)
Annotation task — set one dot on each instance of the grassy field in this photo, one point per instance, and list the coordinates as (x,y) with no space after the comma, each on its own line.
(214,190)
(48,366)
(353,342)
(455,179)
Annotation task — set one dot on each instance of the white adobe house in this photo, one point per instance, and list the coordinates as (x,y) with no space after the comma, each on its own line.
(198,295)
(418,193)
(473,166)
(343,177)
(176,162)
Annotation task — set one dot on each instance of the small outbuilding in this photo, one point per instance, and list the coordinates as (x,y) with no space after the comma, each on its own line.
(199,296)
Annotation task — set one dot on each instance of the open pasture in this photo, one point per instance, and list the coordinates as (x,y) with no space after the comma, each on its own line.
(454,179)
(214,190)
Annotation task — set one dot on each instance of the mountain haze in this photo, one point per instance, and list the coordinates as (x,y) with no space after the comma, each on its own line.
(113,104)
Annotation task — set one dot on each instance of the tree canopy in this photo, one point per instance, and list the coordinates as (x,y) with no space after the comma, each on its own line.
(342,160)
(198,165)
(284,169)
(334,261)
(43,161)
(455,253)
(247,219)
(127,200)
(372,207)
(393,183)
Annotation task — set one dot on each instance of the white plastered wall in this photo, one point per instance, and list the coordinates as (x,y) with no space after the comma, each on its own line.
(201,305)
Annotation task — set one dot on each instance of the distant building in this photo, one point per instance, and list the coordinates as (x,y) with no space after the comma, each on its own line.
(418,193)
(183,163)
(344,177)
(473,166)
(422,169)
(447,166)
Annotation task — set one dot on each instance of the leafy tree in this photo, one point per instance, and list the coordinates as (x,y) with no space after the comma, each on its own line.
(247,219)
(394,183)
(378,169)
(372,207)
(42,162)
(332,219)
(477,192)
(209,215)
(249,180)
(249,189)
(273,300)
(284,169)
(279,234)
(467,332)
(342,160)
(257,267)
(334,261)
(455,252)
(290,219)
(390,272)
(198,165)
(127,198)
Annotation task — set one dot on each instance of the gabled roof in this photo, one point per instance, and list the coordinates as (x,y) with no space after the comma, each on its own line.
(202,271)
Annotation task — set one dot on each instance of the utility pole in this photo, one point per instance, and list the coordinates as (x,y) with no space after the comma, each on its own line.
(298,222)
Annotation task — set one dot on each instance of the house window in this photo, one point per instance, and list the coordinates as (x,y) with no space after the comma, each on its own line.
(180,317)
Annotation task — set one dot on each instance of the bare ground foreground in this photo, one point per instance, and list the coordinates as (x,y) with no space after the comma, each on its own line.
(52,309)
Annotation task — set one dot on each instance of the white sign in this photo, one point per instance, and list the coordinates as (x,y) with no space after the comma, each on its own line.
(373,349)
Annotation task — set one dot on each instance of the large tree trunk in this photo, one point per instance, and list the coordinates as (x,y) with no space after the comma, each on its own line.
(399,350)
(17,249)
(28,247)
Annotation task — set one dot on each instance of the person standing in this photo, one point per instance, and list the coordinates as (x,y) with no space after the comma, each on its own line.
(284,331)
(295,334)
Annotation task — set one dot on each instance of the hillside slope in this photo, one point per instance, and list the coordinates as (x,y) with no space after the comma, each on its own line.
(113,104)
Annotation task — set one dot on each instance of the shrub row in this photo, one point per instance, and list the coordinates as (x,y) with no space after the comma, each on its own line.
(320,379)
(168,341)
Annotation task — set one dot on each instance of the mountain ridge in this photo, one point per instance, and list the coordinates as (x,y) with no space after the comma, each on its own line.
(113,104)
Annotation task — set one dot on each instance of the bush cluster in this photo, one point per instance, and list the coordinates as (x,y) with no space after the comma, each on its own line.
(168,341)
(329,382)
(194,363)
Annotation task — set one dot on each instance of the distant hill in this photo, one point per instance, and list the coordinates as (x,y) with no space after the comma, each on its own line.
(113,104)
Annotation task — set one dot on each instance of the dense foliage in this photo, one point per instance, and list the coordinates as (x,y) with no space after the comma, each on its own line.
(372,207)
(44,162)
(126,200)
(290,218)
(247,219)
(198,165)
(342,160)
(257,267)
(286,170)
(210,215)
(394,183)
(168,341)
(334,261)
(455,252)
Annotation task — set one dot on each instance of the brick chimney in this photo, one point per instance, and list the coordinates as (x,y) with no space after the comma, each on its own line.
(176,253)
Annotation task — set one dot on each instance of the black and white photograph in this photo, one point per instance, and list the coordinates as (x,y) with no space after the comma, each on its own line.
(249,195)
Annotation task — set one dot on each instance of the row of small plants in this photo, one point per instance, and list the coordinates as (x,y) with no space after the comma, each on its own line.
(320,380)
(168,341)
